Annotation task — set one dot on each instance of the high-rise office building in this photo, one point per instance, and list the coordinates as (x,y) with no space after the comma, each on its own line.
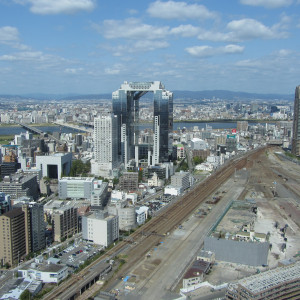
(34,225)
(296,124)
(105,145)
(12,236)
(125,102)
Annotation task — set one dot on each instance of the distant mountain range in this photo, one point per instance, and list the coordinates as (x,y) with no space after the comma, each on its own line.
(191,95)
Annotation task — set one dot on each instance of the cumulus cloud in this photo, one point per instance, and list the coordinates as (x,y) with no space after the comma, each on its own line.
(245,29)
(73,70)
(185,30)
(267,3)
(10,36)
(130,29)
(179,10)
(147,45)
(112,71)
(51,7)
(206,51)
(138,46)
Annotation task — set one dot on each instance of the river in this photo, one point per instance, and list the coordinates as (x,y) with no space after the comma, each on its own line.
(7,130)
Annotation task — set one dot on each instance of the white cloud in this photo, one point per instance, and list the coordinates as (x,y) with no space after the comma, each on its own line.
(8,34)
(73,70)
(267,3)
(47,7)
(246,29)
(147,45)
(185,30)
(130,29)
(112,71)
(138,46)
(206,51)
(179,10)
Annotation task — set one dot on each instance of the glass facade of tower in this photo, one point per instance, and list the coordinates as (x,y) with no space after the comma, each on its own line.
(163,109)
(125,105)
(296,124)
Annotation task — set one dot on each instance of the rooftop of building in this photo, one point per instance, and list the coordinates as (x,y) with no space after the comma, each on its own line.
(76,179)
(17,178)
(13,213)
(44,267)
(269,279)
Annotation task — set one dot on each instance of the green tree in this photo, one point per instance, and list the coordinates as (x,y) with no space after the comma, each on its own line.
(26,295)
(197,160)
(79,168)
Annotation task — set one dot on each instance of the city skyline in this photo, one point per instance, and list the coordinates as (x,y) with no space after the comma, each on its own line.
(91,46)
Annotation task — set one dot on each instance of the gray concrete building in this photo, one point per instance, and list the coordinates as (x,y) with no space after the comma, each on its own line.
(181,180)
(55,165)
(247,253)
(20,185)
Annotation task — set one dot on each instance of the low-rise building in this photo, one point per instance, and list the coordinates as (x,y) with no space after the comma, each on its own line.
(45,272)
(141,214)
(195,273)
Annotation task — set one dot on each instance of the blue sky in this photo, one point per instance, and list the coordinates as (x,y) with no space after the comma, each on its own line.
(92,46)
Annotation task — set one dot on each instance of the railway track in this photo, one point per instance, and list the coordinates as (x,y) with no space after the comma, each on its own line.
(159,226)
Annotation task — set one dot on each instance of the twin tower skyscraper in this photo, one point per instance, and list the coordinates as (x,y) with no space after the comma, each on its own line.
(116,135)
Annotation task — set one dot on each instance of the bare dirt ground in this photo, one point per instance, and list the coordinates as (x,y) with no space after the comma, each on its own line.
(273,184)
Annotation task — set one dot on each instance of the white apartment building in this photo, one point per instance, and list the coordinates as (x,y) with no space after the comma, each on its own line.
(105,145)
(141,214)
(100,228)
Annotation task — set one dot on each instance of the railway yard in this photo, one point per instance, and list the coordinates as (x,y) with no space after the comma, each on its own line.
(159,252)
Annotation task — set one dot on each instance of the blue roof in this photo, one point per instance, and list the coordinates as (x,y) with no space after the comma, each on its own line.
(126,278)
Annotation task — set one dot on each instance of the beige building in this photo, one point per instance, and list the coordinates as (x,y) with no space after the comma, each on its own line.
(12,236)
(65,222)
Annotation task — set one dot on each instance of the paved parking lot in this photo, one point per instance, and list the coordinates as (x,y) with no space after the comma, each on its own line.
(76,254)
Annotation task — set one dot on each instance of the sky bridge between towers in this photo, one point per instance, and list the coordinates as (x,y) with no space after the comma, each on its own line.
(125,104)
